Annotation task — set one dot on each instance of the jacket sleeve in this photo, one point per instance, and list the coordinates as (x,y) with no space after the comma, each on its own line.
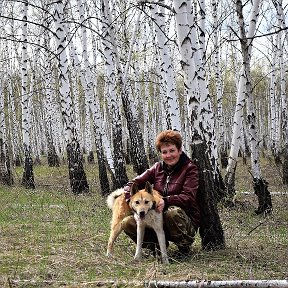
(140,180)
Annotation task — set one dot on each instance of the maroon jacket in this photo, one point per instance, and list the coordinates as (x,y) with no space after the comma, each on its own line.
(177,186)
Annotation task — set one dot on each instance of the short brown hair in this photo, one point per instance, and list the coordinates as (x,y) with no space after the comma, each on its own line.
(168,136)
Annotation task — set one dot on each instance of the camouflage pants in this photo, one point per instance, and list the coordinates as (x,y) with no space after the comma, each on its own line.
(177,226)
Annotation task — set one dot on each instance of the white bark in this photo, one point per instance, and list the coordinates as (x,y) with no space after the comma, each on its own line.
(251,114)
(112,97)
(184,42)
(26,117)
(281,24)
(218,77)
(272,97)
(158,17)
(2,116)
(241,93)
(13,123)
(76,73)
(66,99)
(210,284)
(89,81)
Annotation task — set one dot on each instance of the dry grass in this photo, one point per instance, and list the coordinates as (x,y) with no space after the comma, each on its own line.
(51,237)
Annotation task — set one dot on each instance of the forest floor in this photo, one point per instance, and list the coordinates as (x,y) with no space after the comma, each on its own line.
(50,237)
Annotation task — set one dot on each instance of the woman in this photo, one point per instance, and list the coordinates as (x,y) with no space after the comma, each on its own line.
(176,178)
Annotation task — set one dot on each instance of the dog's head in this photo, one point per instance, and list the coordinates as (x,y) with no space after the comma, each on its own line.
(142,201)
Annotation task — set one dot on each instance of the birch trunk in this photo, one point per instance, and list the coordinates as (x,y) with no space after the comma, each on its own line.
(173,110)
(218,284)
(52,157)
(281,23)
(6,176)
(93,108)
(28,175)
(138,155)
(260,185)
(78,180)
(272,94)
(113,99)
(14,128)
(219,86)
(211,231)
(238,114)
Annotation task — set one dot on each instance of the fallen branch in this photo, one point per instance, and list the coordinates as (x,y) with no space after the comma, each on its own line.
(228,284)
(260,223)
(100,283)
(159,284)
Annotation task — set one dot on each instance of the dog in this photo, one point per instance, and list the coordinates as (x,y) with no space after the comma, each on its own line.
(142,204)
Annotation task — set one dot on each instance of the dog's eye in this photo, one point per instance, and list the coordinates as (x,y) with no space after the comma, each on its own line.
(146,202)
(137,202)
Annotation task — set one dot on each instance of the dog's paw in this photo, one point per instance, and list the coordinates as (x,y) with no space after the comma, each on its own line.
(109,254)
(137,258)
(165,260)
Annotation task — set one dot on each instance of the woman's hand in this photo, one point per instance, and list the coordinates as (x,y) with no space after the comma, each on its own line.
(160,206)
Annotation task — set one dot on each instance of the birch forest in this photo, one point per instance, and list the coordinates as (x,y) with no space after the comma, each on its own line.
(95,81)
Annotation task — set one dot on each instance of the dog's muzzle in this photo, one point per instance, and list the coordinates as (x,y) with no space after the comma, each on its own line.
(142,215)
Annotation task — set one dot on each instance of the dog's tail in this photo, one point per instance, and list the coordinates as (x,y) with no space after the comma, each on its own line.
(111,197)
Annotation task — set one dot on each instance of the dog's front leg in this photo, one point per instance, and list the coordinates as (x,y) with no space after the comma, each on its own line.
(158,227)
(140,237)
(162,243)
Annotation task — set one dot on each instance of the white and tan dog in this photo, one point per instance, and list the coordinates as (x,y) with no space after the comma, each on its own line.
(142,204)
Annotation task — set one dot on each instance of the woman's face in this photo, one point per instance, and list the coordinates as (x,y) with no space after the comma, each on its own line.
(170,153)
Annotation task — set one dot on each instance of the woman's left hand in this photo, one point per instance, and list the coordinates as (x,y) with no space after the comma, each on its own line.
(160,206)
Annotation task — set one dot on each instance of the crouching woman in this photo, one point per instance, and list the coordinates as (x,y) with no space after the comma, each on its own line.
(176,179)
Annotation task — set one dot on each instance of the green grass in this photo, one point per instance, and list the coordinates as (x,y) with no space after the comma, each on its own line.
(49,235)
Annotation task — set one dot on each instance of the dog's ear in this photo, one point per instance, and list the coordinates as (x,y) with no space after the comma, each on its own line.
(134,189)
(148,187)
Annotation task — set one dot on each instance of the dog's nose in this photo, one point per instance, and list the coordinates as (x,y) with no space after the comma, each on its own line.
(142,214)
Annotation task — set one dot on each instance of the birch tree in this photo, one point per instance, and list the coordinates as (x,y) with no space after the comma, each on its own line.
(211,231)
(5,163)
(219,83)
(78,180)
(28,175)
(89,84)
(108,54)
(259,183)
(52,157)
(6,176)
(240,103)
(138,155)
(172,104)
(283,96)
(272,96)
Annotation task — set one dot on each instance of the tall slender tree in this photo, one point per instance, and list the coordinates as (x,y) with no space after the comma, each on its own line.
(112,96)
(211,231)
(259,183)
(6,176)
(138,156)
(219,84)
(77,175)
(239,109)
(283,99)
(28,175)
(89,84)
(52,157)
(171,99)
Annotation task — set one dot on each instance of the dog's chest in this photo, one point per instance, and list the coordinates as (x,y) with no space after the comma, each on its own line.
(152,219)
